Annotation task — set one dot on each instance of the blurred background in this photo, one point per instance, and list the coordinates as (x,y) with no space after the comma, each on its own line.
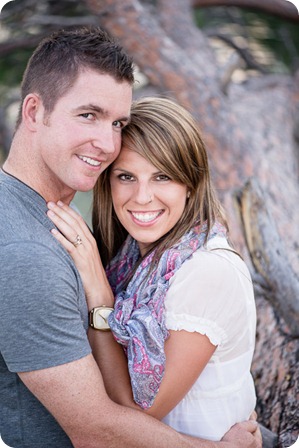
(234,64)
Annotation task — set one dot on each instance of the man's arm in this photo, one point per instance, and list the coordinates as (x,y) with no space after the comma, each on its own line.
(74,393)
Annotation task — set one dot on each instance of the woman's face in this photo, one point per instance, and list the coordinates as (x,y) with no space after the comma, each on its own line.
(147,203)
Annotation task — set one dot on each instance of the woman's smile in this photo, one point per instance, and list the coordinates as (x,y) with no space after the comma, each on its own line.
(145,217)
(146,201)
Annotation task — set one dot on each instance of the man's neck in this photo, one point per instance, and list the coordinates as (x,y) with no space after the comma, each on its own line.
(48,193)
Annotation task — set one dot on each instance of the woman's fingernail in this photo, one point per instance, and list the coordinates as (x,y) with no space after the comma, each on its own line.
(60,204)
(50,214)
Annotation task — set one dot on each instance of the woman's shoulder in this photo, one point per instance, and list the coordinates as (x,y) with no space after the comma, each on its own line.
(217,259)
(214,288)
(215,270)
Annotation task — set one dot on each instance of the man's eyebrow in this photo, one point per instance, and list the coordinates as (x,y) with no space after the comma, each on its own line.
(99,110)
(92,107)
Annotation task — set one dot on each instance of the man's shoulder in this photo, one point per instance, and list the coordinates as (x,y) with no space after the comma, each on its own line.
(12,209)
(22,218)
(35,257)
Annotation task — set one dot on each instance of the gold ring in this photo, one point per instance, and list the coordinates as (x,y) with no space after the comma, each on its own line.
(77,241)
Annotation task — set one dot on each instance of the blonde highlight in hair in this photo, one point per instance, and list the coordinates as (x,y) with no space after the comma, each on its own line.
(167,136)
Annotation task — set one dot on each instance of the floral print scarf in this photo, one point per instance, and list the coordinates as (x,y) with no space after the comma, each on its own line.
(138,320)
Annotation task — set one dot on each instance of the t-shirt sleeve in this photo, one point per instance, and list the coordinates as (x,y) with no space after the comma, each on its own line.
(40,322)
(208,294)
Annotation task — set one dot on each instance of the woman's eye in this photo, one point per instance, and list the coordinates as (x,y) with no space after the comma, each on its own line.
(126,177)
(162,177)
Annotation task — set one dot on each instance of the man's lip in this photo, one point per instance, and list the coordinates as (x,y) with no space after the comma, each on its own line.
(89,160)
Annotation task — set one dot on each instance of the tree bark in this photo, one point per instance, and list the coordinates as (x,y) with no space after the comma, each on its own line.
(275,372)
(268,255)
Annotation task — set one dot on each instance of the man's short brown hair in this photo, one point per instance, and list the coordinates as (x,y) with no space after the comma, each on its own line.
(55,64)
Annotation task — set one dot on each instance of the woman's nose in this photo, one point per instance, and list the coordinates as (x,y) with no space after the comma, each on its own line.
(144,194)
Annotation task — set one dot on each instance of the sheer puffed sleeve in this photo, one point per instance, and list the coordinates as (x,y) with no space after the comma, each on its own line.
(212,294)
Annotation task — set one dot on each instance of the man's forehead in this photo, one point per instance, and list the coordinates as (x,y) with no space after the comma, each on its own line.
(100,93)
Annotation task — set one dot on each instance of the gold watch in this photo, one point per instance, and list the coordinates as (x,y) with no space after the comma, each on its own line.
(98,318)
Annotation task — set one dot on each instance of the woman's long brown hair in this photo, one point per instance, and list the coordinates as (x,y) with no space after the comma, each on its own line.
(166,135)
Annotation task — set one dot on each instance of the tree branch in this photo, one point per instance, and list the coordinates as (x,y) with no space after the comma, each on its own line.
(164,63)
(20,44)
(245,54)
(280,8)
(61,21)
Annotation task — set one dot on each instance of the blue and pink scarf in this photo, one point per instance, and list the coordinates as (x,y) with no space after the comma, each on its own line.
(138,321)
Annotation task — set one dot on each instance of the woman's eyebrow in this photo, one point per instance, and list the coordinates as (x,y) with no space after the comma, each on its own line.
(121,169)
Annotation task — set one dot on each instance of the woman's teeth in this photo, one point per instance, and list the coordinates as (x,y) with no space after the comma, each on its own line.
(145,217)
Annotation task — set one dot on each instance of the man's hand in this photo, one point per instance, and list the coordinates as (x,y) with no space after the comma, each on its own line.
(244,435)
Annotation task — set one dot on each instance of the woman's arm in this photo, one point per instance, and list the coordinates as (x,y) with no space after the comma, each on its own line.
(187,353)
(108,354)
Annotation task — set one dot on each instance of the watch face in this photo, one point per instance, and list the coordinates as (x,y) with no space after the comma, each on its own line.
(100,318)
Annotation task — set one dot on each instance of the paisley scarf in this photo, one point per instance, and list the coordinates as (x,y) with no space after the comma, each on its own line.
(138,320)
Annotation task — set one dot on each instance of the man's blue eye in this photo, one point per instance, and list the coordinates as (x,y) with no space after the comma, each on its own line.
(87,115)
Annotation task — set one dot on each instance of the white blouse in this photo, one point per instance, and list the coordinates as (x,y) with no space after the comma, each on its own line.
(212,294)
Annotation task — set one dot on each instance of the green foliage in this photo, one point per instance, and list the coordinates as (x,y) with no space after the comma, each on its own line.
(283,39)
(26,21)
(276,37)
(13,66)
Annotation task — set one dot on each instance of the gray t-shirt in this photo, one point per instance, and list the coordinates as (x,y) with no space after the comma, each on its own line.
(43,314)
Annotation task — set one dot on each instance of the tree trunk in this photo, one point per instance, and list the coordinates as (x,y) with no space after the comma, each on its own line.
(275,372)
(272,269)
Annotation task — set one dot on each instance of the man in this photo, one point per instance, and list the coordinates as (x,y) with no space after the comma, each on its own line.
(76,96)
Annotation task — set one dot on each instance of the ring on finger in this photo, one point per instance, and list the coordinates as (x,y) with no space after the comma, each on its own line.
(77,241)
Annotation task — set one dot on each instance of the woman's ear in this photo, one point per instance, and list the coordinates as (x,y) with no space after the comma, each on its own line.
(32,111)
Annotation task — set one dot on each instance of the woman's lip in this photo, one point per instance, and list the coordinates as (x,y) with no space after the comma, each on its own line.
(144,218)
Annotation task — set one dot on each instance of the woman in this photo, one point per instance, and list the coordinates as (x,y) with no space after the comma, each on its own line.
(184,307)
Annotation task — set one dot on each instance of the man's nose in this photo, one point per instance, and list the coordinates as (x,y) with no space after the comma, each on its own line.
(106,139)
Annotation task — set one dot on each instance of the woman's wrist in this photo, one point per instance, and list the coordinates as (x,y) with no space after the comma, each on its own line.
(98,299)
(98,303)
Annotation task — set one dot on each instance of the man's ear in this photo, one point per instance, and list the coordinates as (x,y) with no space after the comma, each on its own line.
(32,111)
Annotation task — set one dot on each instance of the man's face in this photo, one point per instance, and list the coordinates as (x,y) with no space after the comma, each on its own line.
(82,135)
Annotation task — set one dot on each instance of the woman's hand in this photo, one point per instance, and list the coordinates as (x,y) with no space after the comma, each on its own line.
(77,239)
